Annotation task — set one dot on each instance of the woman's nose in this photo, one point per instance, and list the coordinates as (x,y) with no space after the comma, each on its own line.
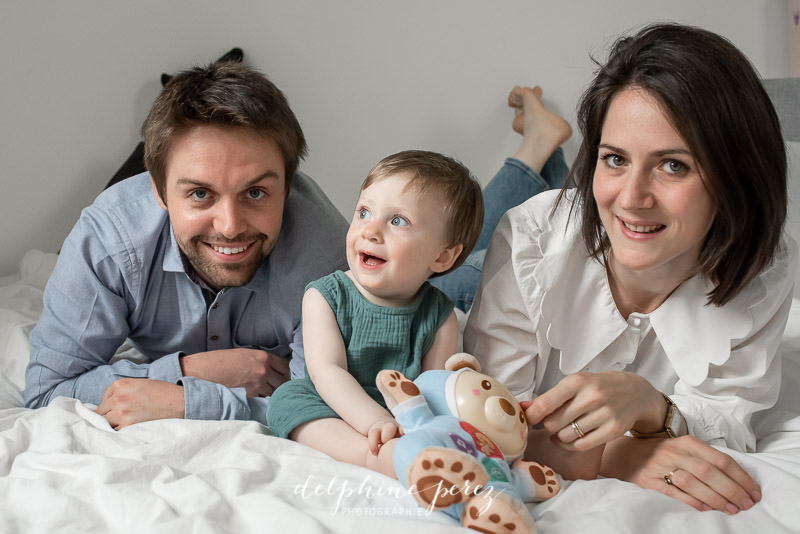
(636,190)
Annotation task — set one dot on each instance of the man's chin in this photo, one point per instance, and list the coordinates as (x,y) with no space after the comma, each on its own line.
(222,275)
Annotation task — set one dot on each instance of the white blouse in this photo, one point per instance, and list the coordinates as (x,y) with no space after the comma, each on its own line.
(544,309)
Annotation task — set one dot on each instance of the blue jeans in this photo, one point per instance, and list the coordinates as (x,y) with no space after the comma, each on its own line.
(513,184)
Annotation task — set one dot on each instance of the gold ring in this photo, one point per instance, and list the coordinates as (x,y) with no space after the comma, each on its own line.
(668,478)
(578,430)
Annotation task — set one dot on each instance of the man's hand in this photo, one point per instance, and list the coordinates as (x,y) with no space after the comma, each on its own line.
(133,400)
(258,371)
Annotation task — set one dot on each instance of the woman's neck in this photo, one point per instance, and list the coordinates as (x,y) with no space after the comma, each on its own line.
(641,291)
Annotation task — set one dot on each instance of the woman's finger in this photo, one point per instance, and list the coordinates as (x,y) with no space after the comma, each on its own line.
(692,486)
(714,486)
(672,490)
(549,402)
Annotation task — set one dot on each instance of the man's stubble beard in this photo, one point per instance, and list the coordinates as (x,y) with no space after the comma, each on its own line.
(220,275)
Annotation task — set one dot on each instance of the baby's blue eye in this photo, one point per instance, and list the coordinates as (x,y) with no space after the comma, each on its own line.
(399,221)
(363,213)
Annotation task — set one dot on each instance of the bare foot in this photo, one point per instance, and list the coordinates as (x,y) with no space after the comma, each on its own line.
(542,130)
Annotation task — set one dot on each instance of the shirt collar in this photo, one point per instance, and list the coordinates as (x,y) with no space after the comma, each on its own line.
(713,328)
(580,318)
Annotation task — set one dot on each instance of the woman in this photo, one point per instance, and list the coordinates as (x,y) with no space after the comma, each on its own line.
(649,301)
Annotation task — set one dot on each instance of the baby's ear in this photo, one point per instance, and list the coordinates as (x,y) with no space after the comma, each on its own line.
(446,258)
(460,360)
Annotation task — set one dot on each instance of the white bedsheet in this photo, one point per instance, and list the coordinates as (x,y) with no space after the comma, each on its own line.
(63,469)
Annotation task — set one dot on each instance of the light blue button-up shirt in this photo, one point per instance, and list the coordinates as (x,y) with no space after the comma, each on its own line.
(120,275)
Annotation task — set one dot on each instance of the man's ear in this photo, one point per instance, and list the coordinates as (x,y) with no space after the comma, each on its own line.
(446,258)
(155,192)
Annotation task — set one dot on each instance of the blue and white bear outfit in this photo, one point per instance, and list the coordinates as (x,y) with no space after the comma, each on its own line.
(461,430)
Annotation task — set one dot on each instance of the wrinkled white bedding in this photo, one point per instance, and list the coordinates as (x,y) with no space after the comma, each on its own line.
(63,469)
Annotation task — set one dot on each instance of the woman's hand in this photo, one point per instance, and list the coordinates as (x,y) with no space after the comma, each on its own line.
(587,410)
(684,468)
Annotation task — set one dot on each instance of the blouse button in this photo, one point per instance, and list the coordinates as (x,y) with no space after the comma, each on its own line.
(636,321)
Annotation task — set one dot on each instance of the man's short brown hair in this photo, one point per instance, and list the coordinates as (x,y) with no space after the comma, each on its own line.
(224,94)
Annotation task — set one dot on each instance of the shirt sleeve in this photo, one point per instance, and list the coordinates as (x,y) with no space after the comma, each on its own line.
(719,409)
(83,323)
(500,332)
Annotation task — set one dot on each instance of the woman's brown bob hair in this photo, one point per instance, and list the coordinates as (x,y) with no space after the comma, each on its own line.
(715,100)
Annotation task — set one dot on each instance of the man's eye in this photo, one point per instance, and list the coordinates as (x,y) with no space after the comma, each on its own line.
(200,194)
(255,194)
(399,221)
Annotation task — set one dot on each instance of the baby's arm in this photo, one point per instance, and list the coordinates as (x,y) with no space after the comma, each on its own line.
(445,344)
(326,360)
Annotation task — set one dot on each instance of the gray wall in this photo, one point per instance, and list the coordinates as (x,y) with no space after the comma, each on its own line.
(366,78)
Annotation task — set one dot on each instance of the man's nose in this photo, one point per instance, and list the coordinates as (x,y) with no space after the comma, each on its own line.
(228,219)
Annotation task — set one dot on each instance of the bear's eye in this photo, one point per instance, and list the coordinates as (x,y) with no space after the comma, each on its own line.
(486,385)
(521,416)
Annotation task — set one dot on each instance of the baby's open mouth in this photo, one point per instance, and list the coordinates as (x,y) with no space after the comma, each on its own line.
(369,260)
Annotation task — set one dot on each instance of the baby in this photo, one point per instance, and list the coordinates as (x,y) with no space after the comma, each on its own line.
(418,215)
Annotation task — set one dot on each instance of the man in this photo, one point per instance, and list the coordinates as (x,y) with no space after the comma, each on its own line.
(201,264)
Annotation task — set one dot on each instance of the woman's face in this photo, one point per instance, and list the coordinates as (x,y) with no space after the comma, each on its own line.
(650,195)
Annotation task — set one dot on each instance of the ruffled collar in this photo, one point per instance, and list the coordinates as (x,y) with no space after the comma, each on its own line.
(579,317)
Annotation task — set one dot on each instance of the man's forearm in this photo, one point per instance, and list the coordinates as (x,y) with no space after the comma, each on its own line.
(46,377)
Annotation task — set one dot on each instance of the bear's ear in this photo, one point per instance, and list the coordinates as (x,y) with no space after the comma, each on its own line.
(460,360)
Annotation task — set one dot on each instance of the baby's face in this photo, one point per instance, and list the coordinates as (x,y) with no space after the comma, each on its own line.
(397,239)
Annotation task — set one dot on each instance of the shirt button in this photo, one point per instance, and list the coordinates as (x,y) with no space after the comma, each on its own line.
(636,321)
(215,306)
(214,338)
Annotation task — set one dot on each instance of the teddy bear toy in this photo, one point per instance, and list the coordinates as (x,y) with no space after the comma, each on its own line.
(463,437)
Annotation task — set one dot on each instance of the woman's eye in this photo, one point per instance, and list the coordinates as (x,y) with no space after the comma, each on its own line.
(613,160)
(399,221)
(255,194)
(675,167)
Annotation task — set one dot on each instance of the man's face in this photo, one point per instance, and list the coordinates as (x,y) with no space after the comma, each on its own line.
(225,191)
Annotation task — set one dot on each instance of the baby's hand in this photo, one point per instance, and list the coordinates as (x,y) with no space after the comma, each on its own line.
(381,432)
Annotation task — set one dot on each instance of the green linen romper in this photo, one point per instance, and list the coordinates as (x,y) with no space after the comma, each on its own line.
(375,338)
